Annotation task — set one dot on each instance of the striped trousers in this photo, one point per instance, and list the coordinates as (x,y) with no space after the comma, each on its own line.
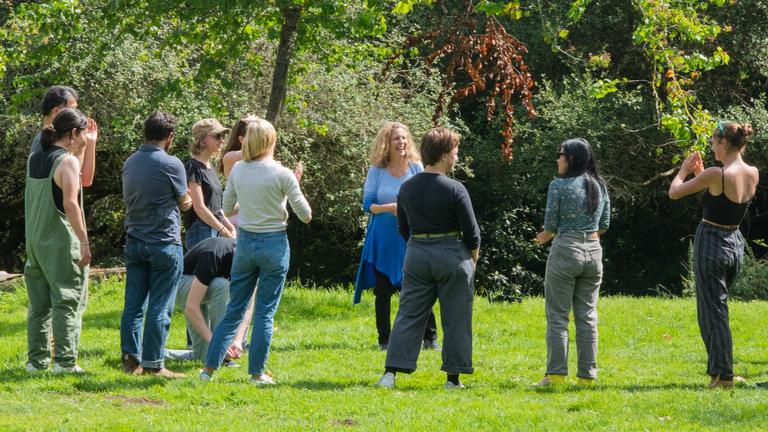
(717,257)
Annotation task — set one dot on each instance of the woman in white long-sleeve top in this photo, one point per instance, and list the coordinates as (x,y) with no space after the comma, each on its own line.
(261,187)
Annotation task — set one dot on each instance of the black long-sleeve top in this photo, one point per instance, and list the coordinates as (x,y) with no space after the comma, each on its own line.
(433,204)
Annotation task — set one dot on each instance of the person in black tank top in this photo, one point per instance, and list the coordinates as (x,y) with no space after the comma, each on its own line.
(718,245)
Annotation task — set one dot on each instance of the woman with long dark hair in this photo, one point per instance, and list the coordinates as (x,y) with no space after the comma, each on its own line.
(578,212)
(58,251)
(718,248)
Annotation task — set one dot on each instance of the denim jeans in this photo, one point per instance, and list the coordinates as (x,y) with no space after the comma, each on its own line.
(259,258)
(198,232)
(152,273)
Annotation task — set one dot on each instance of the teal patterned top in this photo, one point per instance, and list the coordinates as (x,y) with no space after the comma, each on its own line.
(567,207)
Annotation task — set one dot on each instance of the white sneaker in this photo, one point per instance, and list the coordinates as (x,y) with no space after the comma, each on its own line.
(262,379)
(32,369)
(205,376)
(74,369)
(387,381)
(451,386)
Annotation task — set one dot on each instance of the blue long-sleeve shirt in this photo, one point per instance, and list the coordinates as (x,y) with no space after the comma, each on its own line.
(567,208)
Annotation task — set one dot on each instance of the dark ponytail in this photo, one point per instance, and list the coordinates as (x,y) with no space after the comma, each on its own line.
(581,161)
(66,120)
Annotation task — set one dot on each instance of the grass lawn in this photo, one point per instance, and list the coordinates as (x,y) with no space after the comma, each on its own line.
(651,360)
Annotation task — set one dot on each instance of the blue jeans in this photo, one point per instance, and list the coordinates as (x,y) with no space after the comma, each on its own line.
(152,273)
(259,258)
(198,232)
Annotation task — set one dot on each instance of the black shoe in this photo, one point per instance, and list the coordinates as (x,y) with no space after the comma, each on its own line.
(383,346)
(763,384)
(430,344)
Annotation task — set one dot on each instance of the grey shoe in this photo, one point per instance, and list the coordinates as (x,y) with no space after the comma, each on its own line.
(383,346)
(73,369)
(32,369)
(430,344)
(387,381)
(451,386)
(205,376)
(262,379)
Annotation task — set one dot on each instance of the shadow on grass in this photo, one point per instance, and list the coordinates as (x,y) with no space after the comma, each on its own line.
(326,385)
(13,328)
(102,320)
(90,382)
(315,346)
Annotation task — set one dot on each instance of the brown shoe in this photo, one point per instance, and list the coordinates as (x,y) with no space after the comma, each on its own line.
(717,383)
(162,372)
(131,366)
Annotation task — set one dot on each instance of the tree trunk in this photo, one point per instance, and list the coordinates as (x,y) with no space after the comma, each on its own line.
(291,16)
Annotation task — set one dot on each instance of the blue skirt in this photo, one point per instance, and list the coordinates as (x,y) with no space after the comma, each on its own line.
(383,250)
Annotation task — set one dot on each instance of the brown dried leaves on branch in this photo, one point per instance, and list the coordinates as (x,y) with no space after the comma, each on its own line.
(472,63)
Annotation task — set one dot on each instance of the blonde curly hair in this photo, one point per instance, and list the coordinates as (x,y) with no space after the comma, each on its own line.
(379,154)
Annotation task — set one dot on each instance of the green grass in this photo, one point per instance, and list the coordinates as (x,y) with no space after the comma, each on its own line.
(651,362)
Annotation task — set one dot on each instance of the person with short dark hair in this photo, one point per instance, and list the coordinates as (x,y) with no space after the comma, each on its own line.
(578,212)
(718,248)
(203,294)
(207,217)
(56,99)
(154,189)
(394,159)
(58,251)
(435,216)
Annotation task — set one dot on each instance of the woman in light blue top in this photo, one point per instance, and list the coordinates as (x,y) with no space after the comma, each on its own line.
(578,211)
(393,160)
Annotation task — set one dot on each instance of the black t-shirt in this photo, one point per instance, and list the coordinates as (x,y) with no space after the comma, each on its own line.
(208,180)
(435,204)
(209,259)
(40,165)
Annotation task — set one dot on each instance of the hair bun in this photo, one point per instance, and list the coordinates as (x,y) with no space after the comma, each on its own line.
(745,130)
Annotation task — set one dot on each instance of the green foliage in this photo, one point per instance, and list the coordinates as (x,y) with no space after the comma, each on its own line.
(752,281)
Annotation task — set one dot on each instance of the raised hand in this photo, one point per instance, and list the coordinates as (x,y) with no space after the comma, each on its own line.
(91,132)
(299,171)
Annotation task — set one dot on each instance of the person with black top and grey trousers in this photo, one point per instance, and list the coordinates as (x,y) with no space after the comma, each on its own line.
(718,248)
(435,216)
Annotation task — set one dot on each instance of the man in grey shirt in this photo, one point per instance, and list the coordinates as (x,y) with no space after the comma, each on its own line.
(154,188)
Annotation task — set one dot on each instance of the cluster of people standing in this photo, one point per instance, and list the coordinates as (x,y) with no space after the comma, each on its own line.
(422,240)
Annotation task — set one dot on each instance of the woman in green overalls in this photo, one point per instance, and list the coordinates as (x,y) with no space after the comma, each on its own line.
(58,253)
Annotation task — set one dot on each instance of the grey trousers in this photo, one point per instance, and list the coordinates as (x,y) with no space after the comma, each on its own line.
(434,269)
(213,307)
(573,276)
(717,257)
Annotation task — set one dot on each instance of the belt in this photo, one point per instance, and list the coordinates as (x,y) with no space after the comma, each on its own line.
(435,235)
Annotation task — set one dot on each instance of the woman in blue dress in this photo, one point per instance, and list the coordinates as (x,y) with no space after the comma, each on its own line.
(393,160)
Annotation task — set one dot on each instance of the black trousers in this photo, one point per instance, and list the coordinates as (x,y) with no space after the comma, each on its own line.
(383,292)
(718,254)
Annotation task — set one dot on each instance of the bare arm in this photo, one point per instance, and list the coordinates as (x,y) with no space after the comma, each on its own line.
(204,213)
(67,177)
(88,157)
(185,202)
(702,179)
(194,313)
(237,342)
